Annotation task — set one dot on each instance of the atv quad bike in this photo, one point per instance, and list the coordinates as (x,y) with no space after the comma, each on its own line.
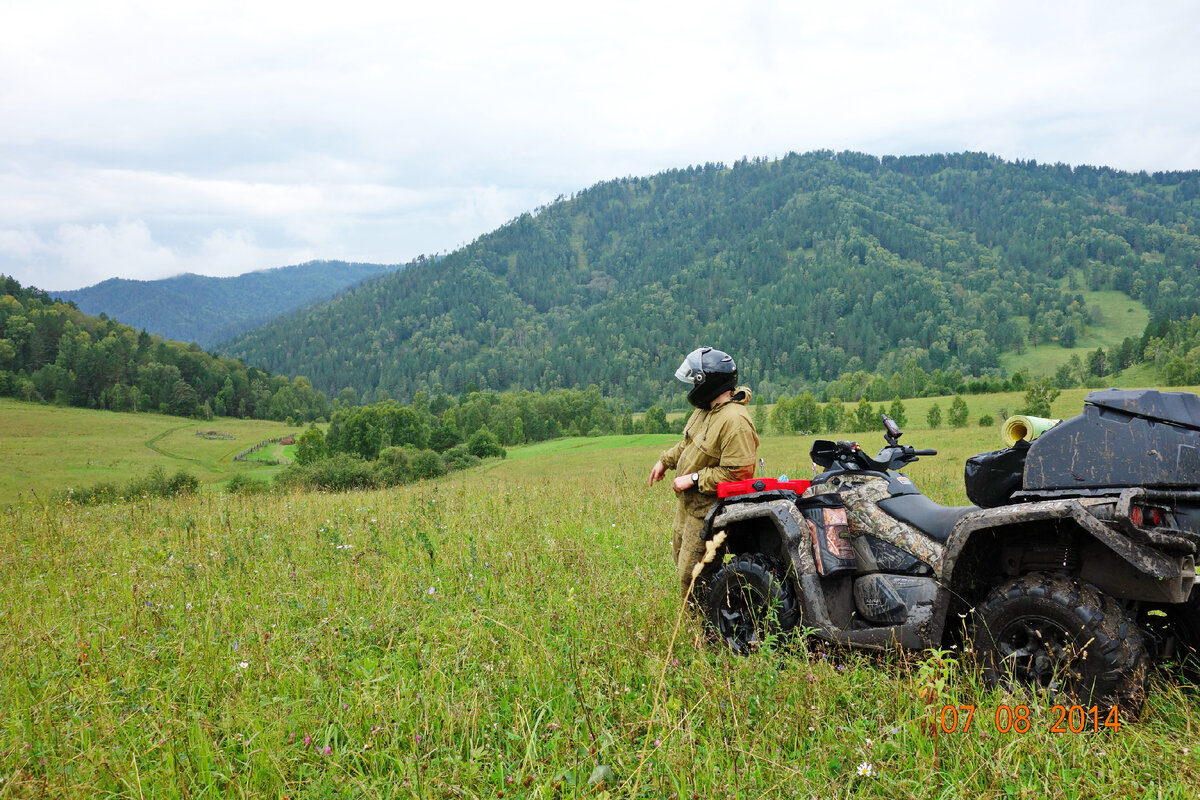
(1074,585)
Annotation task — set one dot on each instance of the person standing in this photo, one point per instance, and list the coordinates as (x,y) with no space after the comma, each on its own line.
(719,444)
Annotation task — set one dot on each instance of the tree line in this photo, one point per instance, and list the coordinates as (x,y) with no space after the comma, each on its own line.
(52,352)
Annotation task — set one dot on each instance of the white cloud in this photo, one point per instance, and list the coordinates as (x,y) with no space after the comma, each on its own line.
(207,136)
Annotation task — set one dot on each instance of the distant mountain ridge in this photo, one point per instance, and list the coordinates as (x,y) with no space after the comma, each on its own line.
(195,308)
(804,268)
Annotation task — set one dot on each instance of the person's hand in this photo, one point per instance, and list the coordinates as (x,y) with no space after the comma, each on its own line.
(657,472)
(682,483)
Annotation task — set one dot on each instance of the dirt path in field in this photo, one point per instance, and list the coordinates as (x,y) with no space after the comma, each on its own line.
(152,443)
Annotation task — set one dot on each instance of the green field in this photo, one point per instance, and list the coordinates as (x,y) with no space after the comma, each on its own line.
(510,631)
(1120,317)
(49,447)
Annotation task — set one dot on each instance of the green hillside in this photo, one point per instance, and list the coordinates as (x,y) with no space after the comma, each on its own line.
(1114,317)
(807,267)
(195,308)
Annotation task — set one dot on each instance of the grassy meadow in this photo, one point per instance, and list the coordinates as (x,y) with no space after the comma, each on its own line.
(510,631)
(1119,317)
(50,447)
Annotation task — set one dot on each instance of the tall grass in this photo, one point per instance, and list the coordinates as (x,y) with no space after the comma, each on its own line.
(506,632)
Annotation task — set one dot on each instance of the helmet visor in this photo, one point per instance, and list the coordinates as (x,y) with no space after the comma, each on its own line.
(691,371)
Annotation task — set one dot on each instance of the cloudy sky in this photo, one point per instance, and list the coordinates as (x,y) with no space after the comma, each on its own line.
(146,139)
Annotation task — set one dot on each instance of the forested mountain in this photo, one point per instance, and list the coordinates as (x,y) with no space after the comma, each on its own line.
(194,308)
(805,268)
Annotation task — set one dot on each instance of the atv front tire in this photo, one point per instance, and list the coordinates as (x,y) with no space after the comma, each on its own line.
(1056,635)
(749,599)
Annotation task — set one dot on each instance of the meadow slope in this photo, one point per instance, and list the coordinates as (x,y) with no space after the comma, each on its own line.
(53,447)
(509,632)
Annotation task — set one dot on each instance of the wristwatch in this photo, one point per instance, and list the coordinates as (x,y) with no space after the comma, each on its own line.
(696,479)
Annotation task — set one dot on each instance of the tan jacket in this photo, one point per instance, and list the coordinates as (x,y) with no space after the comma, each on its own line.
(720,444)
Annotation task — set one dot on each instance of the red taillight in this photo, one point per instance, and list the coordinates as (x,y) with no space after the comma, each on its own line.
(1146,516)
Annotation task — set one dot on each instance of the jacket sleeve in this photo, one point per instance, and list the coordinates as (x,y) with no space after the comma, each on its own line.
(670,456)
(739,448)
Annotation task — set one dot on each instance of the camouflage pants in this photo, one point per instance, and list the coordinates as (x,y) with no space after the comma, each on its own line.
(686,544)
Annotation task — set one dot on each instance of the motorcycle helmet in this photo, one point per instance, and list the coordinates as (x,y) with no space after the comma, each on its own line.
(709,372)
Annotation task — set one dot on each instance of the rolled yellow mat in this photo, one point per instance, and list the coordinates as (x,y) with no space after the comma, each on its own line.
(1027,428)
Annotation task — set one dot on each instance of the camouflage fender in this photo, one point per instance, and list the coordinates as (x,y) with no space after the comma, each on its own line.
(861,495)
(790,525)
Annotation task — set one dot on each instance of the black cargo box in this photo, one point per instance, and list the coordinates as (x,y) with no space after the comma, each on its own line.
(992,478)
(1123,438)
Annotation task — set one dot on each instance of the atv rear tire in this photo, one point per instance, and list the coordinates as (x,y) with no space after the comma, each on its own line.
(1056,635)
(749,599)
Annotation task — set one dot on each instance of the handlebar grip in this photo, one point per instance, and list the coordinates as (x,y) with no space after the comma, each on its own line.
(924,452)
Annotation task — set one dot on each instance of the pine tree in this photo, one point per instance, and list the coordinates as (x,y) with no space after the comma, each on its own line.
(958,412)
(934,416)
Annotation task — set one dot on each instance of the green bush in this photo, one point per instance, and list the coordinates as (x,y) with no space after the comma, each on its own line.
(443,438)
(339,473)
(484,444)
(426,464)
(958,412)
(394,466)
(244,484)
(457,458)
(156,484)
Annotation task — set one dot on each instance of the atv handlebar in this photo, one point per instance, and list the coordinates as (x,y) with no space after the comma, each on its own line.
(929,452)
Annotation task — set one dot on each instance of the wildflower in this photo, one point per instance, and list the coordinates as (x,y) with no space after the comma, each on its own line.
(243,664)
(291,737)
(307,740)
(432,591)
(866,769)
(326,750)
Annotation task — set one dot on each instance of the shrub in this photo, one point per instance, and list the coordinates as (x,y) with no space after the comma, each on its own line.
(339,473)
(310,446)
(958,412)
(243,484)
(986,421)
(426,464)
(484,444)
(457,458)
(394,466)
(182,482)
(443,438)
(1038,398)
(156,484)
(934,416)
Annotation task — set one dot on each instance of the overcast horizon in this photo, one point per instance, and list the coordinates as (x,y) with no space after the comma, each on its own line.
(144,142)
